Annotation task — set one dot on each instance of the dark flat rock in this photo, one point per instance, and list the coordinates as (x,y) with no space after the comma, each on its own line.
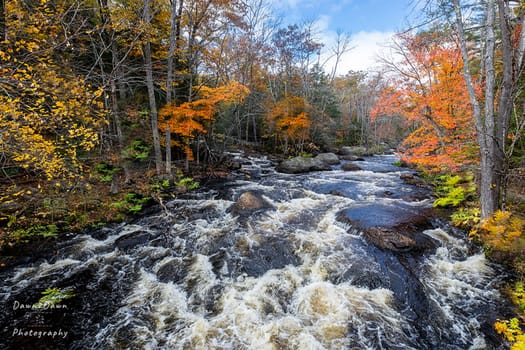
(388,227)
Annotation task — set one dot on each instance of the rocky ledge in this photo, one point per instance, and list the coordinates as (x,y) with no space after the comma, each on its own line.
(393,228)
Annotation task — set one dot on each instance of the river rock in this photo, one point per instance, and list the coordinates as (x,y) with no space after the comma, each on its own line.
(389,239)
(132,240)
(299,165)
(347,151)
(350,167)
(173,271)
(273,253)
(393,228)
(328,158)
(250,201)
(412,179)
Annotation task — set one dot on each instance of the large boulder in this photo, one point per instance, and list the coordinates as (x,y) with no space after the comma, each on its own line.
(393,228)
(250,201)
(328,158)
(299,165)
(389,239)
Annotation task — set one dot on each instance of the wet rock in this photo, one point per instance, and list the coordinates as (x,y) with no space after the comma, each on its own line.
(173,271)
(248,202)
(132,240)
(412,179)
(351,167)
(370,281)
(389,239)
(234,164)
(273,253)
(328,158)
(101,233)
(346,151)
(393,228)
(299,165)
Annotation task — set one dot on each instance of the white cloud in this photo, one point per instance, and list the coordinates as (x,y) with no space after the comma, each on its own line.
(367,46)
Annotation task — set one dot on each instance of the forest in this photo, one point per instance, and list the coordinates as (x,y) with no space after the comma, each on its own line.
(107,107)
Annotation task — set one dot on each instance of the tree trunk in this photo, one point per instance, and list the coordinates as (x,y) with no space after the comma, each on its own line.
(3,29)
(151,95)
(489,186)
(169,79)
(168,150)
(511,70)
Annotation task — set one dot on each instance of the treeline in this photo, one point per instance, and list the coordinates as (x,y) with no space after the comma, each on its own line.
(106,98)
(77,75)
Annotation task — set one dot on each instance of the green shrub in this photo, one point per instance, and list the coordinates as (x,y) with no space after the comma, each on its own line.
(466,217)
(453,190)
(42,231)
(106,171)
(131,203)
(185,183)
(138,150)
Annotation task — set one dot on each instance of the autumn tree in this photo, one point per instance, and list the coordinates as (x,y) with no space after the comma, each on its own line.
(244,54)
(429,90)
(289,124)
(190,119)
(48,115)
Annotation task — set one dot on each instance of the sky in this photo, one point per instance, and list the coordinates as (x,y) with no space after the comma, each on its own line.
(370,23)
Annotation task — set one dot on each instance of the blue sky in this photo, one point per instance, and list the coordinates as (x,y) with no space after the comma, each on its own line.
(371,24)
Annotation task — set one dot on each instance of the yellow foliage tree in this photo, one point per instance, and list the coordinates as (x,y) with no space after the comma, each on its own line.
(504,232)
(47,113)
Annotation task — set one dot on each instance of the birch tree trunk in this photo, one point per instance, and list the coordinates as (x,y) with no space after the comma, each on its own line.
(484,121)
(151,94)
(492,125)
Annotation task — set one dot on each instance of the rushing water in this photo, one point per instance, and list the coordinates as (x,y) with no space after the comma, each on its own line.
(293,275)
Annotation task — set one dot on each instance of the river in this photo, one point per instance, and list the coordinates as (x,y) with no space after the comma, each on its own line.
(293,274)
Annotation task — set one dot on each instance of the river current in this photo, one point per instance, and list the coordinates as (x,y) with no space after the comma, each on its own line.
(291,275)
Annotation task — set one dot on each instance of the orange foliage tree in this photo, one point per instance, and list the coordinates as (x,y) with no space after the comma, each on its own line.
(189,119)
(429,90)
(288,123)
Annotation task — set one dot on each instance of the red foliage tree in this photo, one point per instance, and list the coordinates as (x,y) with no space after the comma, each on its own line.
(429,90)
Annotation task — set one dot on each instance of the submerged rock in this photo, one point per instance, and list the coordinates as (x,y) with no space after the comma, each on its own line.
(272,253)
(132,240)
(351,167)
